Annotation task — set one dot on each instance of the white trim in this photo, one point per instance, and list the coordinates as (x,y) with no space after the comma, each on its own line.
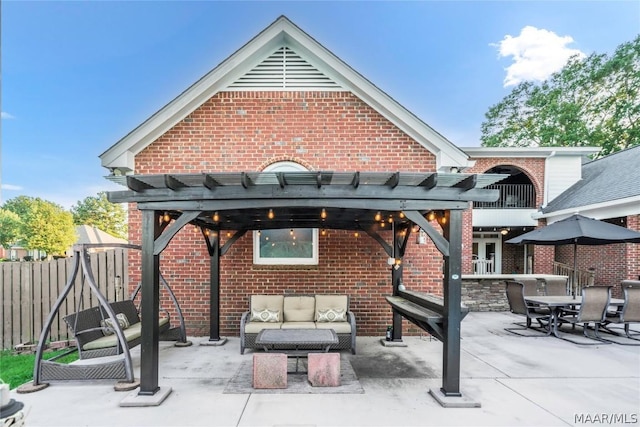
(603,210)
(285,166)
(529,152)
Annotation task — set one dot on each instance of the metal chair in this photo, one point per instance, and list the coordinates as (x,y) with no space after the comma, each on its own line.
(630,313)
(593,309)
(555,286)
(518,305)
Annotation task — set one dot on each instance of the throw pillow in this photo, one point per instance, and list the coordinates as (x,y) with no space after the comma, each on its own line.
(265,315)
(332,315)
(107,324)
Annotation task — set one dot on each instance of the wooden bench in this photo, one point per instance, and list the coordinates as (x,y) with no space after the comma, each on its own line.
(93,339)
(423,309)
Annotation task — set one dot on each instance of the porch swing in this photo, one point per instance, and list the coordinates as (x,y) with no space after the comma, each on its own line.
(104,333)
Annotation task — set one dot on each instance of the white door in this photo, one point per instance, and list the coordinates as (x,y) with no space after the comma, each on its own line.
(487,254)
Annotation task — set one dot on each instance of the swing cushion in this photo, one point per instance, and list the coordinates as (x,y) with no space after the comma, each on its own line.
(131,333)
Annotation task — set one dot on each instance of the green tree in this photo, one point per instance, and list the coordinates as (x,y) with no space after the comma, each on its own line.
(44,225)
(10,227)
(100,212)
(591,102)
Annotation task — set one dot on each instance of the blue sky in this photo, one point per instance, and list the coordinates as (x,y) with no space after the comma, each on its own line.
(78,76)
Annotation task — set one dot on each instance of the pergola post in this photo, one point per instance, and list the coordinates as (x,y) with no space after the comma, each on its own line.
(214,288)
(452,299)
(150,310)
(396,280)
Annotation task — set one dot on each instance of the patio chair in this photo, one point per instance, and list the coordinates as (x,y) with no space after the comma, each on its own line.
(593,309)
(630,313)
(555,286)
(518,305)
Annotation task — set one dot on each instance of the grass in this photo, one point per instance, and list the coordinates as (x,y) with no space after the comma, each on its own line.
(17,369)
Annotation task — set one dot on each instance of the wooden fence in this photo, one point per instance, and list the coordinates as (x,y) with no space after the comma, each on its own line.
(29,289)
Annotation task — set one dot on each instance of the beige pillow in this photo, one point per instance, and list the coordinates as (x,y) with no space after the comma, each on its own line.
(107,324)
(325,302)
(265,315)
(271,302)
(332,315)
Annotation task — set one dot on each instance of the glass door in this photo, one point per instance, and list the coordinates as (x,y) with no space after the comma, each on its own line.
(487,254)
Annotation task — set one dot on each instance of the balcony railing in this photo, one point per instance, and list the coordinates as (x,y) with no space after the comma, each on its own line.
(512,196)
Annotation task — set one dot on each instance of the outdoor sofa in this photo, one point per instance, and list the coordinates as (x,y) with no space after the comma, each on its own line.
(299,312)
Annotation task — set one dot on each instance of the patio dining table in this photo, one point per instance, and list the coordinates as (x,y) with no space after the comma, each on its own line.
(556,302)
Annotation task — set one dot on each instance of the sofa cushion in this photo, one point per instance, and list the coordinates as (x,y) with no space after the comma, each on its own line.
(255,327)
(332,315)
(271,302)
(299,308)
(324,302)
(298,325)
(266,315)
(339,327)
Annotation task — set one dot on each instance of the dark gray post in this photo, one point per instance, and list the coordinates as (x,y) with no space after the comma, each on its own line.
(396,280)
(214,288)
(452,298)
(150,309)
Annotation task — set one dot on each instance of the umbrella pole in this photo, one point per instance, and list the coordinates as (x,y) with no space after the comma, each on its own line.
(574,280)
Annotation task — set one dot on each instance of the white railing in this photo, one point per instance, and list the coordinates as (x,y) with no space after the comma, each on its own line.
(483,266)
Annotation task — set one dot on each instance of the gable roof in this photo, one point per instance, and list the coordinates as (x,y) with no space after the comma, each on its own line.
(608,182)
(251,68)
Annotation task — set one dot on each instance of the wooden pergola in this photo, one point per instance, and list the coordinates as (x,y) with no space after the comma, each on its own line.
(240,202)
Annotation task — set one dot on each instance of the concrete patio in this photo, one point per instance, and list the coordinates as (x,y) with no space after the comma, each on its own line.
(540,381)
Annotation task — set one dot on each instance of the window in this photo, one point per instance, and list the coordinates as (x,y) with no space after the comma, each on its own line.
(296,246)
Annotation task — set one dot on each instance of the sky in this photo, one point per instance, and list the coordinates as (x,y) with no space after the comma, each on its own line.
(78,76)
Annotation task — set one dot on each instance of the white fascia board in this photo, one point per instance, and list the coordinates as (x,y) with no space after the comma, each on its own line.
(610,209)
(530,152)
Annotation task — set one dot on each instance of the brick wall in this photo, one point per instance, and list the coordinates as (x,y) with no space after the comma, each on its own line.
(247,131)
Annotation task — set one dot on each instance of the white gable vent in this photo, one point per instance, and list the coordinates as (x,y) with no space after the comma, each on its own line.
(284,69)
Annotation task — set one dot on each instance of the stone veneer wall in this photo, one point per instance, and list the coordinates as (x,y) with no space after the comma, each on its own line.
(484,295)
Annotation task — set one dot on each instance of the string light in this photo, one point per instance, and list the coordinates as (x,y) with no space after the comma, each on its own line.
(378,216)
(323,232)
(431,216)
(401,215)
(166,217)
(270,215)
(356,234)
(323,214)
(215,217)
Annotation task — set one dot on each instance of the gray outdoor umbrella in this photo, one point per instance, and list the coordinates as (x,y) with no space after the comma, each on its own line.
(577,230)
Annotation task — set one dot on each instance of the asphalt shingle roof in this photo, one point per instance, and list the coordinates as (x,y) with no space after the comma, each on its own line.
(610,178)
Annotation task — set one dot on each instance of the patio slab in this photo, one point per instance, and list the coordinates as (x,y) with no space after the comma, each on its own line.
(518,381)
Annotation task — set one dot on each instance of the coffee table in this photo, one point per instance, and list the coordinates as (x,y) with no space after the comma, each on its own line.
(297,342)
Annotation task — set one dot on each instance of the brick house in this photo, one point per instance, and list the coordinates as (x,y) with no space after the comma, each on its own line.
(283,102)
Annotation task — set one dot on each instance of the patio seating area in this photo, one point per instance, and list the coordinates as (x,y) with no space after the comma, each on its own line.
(533,381)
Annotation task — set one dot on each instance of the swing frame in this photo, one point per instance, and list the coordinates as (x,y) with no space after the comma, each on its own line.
(120,367)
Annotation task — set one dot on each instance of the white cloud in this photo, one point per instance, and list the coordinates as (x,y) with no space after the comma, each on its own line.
(536,54)
(11,187)
(5,116)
